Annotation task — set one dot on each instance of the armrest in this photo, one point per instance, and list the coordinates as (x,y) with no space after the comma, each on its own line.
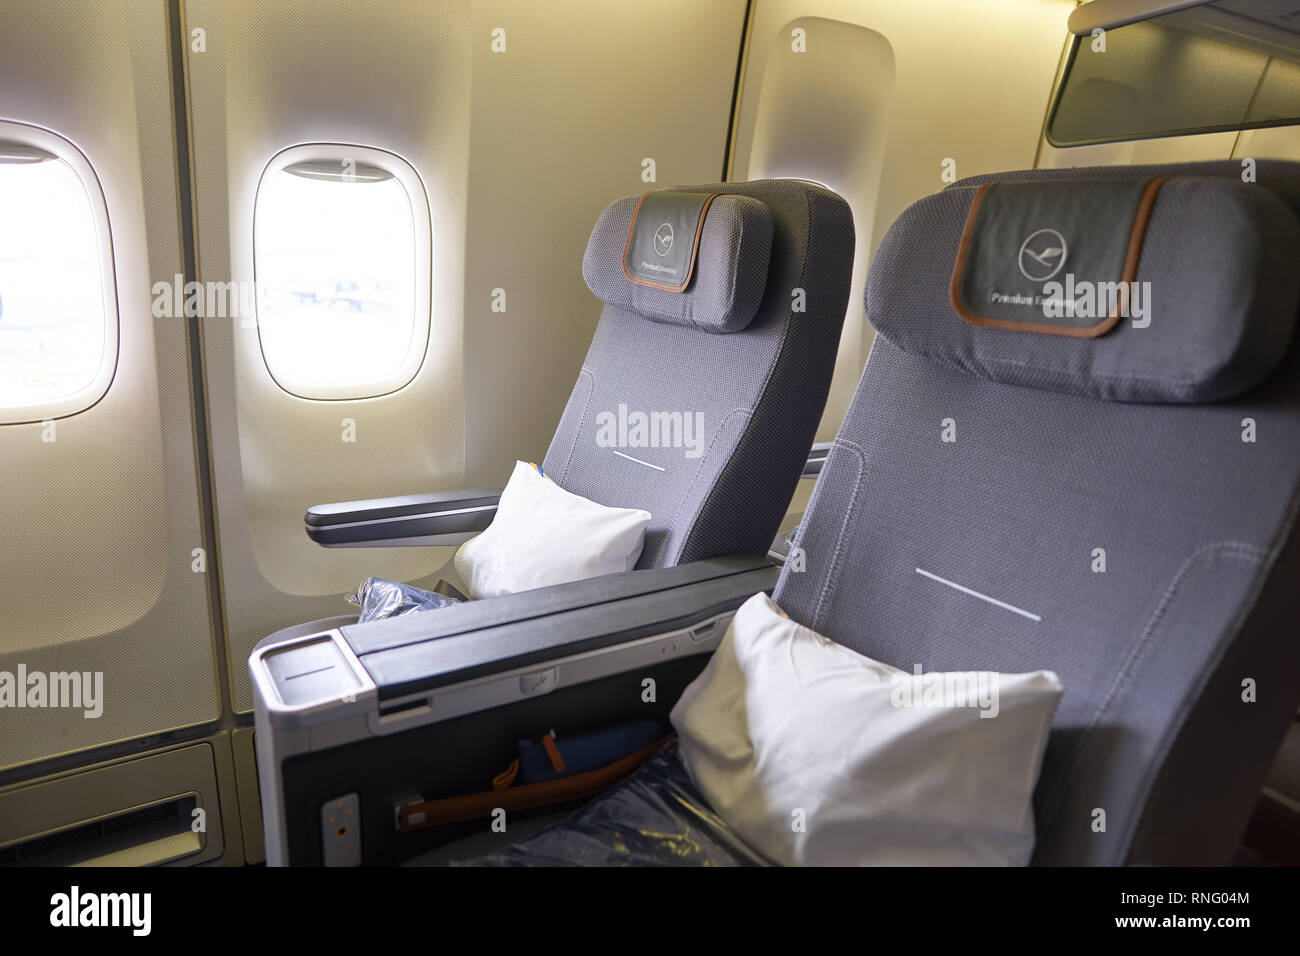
(422,652)
(435,702)
(439,518)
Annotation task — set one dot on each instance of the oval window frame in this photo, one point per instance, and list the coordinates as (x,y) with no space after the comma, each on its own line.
(24,136)
(308,154)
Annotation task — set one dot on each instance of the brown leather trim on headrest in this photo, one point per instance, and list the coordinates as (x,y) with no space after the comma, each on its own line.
(695,248)
(1133,253)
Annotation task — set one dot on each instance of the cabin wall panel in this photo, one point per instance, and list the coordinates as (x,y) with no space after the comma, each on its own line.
(519,151)
(883,93)
(98,526)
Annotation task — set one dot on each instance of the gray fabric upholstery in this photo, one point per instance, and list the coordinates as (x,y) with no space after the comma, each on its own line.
(730,274)
(757,393)
(1202,557)
(760,391)
(1220,259)
(1279,176)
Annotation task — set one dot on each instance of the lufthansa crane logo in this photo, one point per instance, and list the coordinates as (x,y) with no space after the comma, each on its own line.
(1042,255)
(664,238)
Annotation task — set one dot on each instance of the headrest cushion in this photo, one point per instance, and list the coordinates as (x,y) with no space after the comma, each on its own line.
(683,258)
(1144,290)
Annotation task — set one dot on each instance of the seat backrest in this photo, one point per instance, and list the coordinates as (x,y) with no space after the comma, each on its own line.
(700,405)
(1112,500)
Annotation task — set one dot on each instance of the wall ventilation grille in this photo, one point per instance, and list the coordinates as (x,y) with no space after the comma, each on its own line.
(143,836)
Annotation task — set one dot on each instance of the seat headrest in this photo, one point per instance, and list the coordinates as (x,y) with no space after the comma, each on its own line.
(1181,289)
(683,257)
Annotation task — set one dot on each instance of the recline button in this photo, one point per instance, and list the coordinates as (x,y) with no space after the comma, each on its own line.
(541,682)
(703,631)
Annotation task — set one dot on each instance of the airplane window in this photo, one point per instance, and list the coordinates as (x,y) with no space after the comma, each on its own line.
(1198,70)
(342,313)
(58,323)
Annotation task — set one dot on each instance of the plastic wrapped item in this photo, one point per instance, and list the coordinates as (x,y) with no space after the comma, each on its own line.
(379,599)
(655,817)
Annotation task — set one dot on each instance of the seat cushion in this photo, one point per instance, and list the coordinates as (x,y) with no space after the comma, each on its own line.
(819,756)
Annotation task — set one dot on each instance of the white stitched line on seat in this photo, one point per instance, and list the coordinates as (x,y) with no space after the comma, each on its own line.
(638,461)
(577,429)
(983,597)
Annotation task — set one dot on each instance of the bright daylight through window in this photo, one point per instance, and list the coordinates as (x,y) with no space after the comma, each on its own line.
(340,313)
(57,329)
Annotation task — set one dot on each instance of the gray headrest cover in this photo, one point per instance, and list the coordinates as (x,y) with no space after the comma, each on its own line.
(726,279)
(1177,290)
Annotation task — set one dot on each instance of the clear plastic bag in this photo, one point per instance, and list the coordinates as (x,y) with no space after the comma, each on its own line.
(655,817)
(379,599)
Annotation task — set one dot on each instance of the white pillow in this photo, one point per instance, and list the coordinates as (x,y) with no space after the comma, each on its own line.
(817,755)
(544,535)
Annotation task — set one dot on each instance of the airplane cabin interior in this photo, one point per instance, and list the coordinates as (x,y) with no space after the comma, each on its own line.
(691,433)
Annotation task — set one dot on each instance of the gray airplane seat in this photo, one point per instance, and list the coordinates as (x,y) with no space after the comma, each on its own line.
(703,386)
(1108,493)
(723,306)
